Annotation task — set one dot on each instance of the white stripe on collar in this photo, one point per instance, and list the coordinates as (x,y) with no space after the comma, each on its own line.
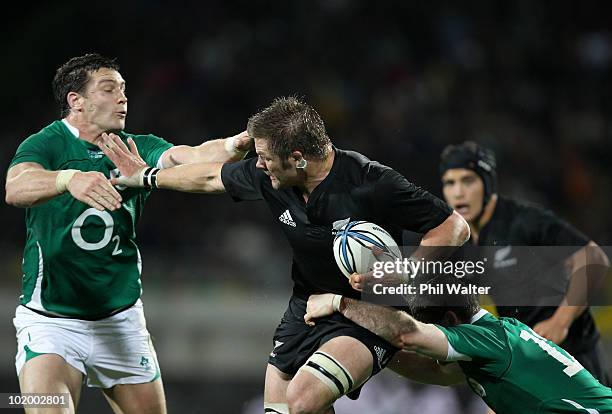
(72,129)
(478,315)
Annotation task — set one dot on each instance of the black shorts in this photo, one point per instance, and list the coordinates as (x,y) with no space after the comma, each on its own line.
(295,342)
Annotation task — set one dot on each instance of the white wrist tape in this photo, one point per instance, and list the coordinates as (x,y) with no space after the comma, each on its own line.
(336,303)
(230,146)
(62,179)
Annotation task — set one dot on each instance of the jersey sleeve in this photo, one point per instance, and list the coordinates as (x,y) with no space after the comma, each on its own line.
(151,147)
(34,149)
(408,205)
(242,180)
(472,342)
(547,229)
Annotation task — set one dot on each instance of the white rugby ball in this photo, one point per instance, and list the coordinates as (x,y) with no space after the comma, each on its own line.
(352,246)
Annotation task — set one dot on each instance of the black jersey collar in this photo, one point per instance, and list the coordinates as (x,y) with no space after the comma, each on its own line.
(320,189)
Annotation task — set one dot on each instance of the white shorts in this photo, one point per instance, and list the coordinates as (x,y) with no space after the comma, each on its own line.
(110,351)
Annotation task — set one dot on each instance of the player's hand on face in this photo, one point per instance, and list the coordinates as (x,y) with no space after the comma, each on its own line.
(318,306)
(95,190)
(243,142)
(552,330)
(127,160)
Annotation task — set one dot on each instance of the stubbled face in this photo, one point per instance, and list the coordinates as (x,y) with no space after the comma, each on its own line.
(104,102)
(464,191)
(282,174)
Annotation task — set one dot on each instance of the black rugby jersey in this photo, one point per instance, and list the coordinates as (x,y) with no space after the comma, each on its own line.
(355,188)
(517,223)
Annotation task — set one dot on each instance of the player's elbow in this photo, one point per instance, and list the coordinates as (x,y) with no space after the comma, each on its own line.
(406,335)
(406,341)
(11,196)
(17,196)
(397,340)
(596,255)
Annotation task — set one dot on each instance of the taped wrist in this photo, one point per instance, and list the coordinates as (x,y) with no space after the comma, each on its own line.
(149,178)
(62,179)
(336,303)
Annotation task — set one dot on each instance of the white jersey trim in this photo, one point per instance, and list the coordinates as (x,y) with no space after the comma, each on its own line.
(453,355)
(580,407)
(71,128)
(36,300)
(479,315)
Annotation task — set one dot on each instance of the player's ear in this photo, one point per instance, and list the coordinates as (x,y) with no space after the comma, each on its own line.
(300,161)
(75,101)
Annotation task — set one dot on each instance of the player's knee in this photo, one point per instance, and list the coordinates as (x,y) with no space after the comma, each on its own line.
(335,381)
(301,402)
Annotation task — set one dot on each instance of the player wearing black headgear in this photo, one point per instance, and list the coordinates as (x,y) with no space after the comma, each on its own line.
(470,186)
(473,157)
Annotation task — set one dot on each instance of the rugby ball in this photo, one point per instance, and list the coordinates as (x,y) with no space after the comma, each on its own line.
(352,247)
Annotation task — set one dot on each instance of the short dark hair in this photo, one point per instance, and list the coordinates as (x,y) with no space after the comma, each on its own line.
(73,76)
(431,308)
(291,125)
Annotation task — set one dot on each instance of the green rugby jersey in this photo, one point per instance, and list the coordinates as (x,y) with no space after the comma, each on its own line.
(515,370)
(78,261)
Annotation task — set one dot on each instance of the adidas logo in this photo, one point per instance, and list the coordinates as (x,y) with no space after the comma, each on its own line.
(380,355)
(287,219)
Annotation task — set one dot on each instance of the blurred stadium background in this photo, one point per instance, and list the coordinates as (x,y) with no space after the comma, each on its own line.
(394,80)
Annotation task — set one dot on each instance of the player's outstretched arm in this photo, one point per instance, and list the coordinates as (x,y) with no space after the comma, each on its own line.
(395,326)
(217,150)
(29,184)
(192,178)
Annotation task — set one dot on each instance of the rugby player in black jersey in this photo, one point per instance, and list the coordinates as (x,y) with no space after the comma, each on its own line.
(309,185)
(469,181)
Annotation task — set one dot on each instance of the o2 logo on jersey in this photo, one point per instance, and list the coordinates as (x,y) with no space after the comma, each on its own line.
(478,389)
(109,224)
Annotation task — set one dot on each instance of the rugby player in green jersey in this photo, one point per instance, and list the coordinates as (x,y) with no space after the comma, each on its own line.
(80,318)
(505,362)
